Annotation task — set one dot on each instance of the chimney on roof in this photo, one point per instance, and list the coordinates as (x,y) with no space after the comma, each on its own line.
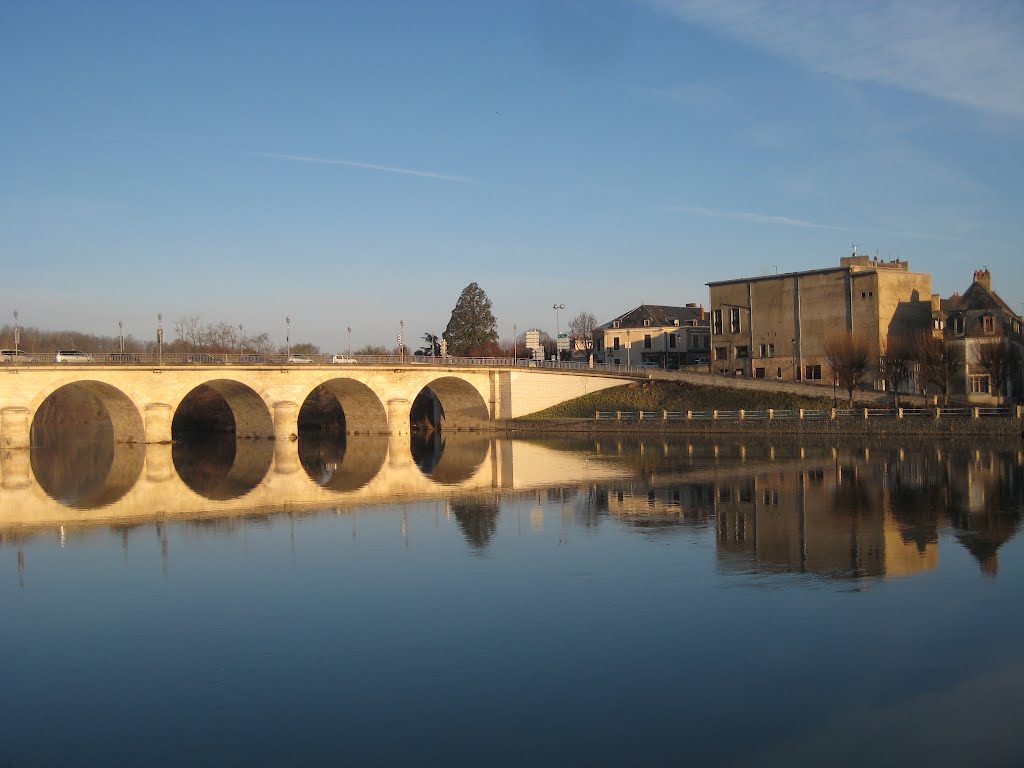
(984,278)
(701,311)
(936,302)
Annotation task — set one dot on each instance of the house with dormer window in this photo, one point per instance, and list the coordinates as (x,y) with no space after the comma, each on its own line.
(655,334)
(986,336)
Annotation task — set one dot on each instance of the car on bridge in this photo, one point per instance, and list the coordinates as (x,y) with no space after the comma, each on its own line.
(13,356)
(343,359)
(202,357)
(299,360)
(72,356)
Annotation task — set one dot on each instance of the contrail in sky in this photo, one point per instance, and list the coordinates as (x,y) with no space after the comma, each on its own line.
(370,167)
(758,218)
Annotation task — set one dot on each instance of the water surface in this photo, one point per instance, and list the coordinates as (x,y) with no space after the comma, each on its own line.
(489,601)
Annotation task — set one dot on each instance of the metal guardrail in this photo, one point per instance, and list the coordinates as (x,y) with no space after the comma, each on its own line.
(168,359)
(802,414)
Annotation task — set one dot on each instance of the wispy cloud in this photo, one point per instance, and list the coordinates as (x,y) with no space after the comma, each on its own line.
(369,167)
(963,51)
(790,221)
(756,218)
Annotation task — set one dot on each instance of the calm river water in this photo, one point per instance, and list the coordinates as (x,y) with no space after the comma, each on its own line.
(481,601)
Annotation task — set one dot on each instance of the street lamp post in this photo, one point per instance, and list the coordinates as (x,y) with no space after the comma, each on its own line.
(160,339)
(287,335)
(241,339)
(629,348)
(120,328)
(17,334)
(515,345)
(401,341)
(558,330)
(350,341)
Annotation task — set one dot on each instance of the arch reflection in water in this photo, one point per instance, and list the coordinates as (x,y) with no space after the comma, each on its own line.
(342,462)
(219,467)
(450,458)
(86,468)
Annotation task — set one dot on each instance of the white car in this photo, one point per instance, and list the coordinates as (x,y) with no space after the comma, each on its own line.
(72,356)
(343,359)
(299,359)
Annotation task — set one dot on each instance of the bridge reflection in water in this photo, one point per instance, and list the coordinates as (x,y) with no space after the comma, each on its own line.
(853,509)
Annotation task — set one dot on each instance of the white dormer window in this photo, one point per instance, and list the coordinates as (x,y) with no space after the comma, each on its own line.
(647,323)
(988,324)
(615,323)
(675,321)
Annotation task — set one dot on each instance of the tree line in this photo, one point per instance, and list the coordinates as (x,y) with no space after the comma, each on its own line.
(935,363)
(471,332)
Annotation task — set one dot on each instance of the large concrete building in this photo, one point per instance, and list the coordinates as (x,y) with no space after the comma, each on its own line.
(777,326)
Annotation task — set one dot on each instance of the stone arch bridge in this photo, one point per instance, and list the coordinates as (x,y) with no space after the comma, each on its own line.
(265,400)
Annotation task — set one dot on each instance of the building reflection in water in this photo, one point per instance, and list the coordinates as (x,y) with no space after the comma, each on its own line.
(843,510)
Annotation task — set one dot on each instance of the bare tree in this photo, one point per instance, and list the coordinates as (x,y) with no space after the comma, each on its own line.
(897,366)
(937,363)
(1000,359)
(849,357)
(582,328)
(189,329)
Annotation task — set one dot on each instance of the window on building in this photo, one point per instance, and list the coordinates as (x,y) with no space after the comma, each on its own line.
(647,341)
(988,324)
(721,353)
(937,324)
(958,324)
(767,350)
(759,373)
(615,323)
(716,321)
(615,342)
(734,320)
(812,373)
(741,352)
(647,323)
(672,341)
(979,384)
(597,344)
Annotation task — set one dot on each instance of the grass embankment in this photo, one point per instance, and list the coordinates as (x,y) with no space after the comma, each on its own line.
(675,396)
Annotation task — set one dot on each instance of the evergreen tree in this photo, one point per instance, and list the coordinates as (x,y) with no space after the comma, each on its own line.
(472,329)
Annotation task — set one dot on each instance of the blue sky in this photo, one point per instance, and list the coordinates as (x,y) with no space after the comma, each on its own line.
(360,163)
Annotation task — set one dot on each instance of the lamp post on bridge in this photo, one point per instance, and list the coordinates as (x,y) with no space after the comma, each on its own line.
(160,339)
(17,334)
(241,339)
(558,331)
(349,341)
(120,330)
(401,341)
(288,336)
(515,346)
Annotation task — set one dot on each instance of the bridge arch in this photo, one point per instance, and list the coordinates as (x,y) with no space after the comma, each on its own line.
(364,412)
(125,419)
(461,404)
(248,412)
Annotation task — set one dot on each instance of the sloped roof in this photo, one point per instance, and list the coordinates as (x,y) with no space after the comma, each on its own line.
(657,314)
(975,298)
